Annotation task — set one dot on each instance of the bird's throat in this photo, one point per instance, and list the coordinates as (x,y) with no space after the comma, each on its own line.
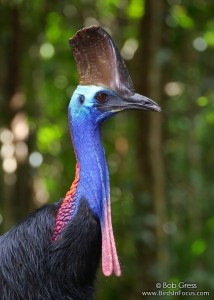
(91,184)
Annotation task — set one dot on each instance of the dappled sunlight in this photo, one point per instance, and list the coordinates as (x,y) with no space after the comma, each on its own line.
(6,136)
(7,150)
(174,88)
(35,159)
(200,44)
(129,49)
(9,164)
(47,51)
(20,127)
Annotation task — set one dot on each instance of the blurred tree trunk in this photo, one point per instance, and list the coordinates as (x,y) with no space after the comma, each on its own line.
(17,193)
(152,253)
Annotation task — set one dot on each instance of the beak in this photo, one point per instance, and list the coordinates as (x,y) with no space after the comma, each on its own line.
(138,101)
(135,101)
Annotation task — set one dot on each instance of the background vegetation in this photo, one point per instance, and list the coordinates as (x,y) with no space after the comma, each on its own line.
(161,165)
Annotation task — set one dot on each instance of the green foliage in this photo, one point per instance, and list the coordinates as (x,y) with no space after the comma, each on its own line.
(181,17)
(136,9)
(47,136)
(198,247)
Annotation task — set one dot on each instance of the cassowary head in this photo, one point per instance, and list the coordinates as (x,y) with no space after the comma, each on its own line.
(105,86)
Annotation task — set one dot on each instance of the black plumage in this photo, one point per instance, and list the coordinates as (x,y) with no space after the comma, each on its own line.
(32,266)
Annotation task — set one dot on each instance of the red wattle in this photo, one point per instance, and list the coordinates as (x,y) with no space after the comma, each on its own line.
(110,261)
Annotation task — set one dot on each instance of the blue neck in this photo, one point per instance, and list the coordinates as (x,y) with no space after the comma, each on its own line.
(94,179)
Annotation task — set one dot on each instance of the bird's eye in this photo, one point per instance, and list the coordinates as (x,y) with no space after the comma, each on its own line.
(81,99)
(101,97)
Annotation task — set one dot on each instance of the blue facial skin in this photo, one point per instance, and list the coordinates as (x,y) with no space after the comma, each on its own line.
(85,120)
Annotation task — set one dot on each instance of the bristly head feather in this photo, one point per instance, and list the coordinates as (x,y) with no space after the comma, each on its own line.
(99,62)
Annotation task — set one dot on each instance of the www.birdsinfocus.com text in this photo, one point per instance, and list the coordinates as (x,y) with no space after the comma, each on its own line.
(181,289)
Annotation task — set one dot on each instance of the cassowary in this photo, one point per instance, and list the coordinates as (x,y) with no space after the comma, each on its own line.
(54,253)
